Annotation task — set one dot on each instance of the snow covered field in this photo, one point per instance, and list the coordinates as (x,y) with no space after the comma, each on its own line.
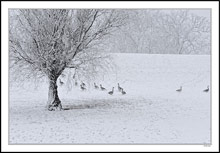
(151,112)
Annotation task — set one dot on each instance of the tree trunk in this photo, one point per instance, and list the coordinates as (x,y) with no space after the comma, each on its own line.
(54,102)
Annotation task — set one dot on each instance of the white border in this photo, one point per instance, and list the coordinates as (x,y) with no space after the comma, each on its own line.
(215,76)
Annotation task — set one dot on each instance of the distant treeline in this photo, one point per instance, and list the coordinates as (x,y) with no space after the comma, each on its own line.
(162,32)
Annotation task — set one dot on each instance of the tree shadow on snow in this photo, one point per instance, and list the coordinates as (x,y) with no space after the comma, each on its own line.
(100,105)
(96,104)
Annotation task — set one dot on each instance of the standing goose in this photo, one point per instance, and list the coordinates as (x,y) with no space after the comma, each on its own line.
(82,87)
(61,82)
(111,92)
(119,88)
(74,78)
(206,90)
(180,89)
(101,87)
(76,83)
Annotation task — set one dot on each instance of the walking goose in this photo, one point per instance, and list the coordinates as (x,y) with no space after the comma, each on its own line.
(96,87)
(101,87)
(82,87)
(180,89)
(122,91)
(206,90)
(83,84)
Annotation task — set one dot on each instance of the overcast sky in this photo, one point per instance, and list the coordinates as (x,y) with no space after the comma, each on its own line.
(205,12)
(200,12)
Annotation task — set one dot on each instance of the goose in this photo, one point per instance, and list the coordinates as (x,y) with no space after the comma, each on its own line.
(76,83)
(206,90)
(119,88)
(82,87)
(63,75)
(83,84)
(180,89)
(61,82)
(111,92)
(122,91)
(96,87)
(101,87)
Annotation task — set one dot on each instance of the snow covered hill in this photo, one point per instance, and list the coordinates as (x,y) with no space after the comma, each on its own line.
(151,112)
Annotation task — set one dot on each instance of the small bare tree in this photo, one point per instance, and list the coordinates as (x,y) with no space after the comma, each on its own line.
(44,42)
(164,32)
(184,32)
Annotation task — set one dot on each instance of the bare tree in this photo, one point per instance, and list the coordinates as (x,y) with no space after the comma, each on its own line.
(139,34)
(164,32)
(44,42)
(142,30)
(184,32)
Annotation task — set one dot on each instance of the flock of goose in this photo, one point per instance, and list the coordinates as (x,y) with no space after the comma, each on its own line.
(83,87)
(180,89)
(120,89)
